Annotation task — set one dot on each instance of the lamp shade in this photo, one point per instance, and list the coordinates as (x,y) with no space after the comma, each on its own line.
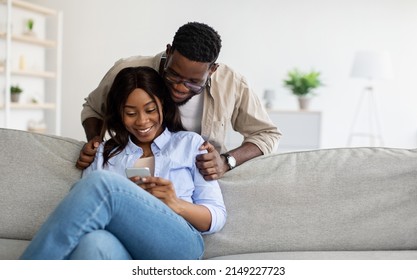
(373,65)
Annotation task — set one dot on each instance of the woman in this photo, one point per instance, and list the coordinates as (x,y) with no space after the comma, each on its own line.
(108,216)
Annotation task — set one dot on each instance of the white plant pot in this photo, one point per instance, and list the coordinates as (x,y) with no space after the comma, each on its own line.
(15,97)
(304,102)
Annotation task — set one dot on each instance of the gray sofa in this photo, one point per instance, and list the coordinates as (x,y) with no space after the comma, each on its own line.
(349,203)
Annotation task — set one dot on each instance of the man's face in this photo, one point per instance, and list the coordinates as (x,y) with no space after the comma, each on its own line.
(185,78)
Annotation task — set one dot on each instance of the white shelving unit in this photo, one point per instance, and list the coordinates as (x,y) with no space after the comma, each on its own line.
(301,130)
(32,61)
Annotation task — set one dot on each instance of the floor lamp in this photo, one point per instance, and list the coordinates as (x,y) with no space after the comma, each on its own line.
(372,66)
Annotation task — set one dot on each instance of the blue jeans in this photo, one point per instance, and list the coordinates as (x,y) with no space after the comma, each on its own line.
(106,216)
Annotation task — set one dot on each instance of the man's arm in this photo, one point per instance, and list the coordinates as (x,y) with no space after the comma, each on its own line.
(252,121)
(91,117)
(248,117)
(92,128)
(242,154)
(213,166)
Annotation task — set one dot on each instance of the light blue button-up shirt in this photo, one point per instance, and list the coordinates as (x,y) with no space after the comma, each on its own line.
(174,160)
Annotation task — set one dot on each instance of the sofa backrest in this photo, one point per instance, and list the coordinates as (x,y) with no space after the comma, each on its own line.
(336,199)
(36,172)
(322,200)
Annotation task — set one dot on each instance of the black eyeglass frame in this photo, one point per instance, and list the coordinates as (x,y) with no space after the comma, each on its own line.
(172,78)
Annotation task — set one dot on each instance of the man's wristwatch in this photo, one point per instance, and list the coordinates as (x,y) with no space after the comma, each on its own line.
(230,160)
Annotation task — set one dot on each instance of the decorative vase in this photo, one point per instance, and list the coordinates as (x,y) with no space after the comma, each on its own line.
(304,102)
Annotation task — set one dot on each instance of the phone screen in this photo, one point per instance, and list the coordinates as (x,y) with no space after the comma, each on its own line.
(137,171)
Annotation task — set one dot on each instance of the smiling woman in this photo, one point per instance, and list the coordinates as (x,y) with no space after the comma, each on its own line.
(143,119)
(162,216)
(140,93)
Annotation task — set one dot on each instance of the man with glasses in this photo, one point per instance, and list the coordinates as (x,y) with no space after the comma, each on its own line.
(210,95)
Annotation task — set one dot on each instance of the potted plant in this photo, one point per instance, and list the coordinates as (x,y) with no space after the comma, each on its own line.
(302,85)
(29,27)
(15,92)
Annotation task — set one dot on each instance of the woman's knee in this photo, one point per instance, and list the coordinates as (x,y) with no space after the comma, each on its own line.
(100,245)
(101,180)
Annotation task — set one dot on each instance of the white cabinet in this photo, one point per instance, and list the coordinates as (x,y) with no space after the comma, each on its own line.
(30,59)
(301,130)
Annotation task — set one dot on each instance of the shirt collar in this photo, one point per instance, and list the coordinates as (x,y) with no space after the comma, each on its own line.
(158,144)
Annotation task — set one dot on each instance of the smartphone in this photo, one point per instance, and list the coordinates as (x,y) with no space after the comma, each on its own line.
(138,171)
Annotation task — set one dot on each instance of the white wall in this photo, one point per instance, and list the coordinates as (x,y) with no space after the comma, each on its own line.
(262,40)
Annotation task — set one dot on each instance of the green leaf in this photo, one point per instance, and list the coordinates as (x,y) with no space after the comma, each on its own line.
(301,83)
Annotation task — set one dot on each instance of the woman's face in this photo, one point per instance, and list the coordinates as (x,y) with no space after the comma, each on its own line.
(142,117)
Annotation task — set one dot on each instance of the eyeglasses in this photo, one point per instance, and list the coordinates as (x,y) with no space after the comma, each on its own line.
(172,78)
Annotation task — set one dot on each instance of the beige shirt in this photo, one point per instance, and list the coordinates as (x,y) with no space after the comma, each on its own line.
(229,99)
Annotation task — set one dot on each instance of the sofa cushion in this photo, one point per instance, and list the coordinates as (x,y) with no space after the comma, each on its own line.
(326,255)
(36,172)
(12,249)
(349,199)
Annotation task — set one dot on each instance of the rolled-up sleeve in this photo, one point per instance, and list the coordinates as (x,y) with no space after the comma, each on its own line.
(233,99)
(252,120)
(209,195)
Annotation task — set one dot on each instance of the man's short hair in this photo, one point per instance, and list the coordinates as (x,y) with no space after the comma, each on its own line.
(197,42)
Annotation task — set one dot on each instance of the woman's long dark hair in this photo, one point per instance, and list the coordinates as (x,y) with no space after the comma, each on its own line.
(125,82)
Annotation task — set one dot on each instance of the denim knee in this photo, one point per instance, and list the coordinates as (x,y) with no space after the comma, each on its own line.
(100,245)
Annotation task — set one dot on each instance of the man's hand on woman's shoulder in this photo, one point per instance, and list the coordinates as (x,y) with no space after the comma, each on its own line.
(211,165)
(88,153)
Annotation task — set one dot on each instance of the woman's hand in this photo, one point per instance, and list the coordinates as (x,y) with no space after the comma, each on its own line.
(198,215)
(162,189)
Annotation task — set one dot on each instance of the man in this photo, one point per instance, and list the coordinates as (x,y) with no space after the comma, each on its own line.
(209,95)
